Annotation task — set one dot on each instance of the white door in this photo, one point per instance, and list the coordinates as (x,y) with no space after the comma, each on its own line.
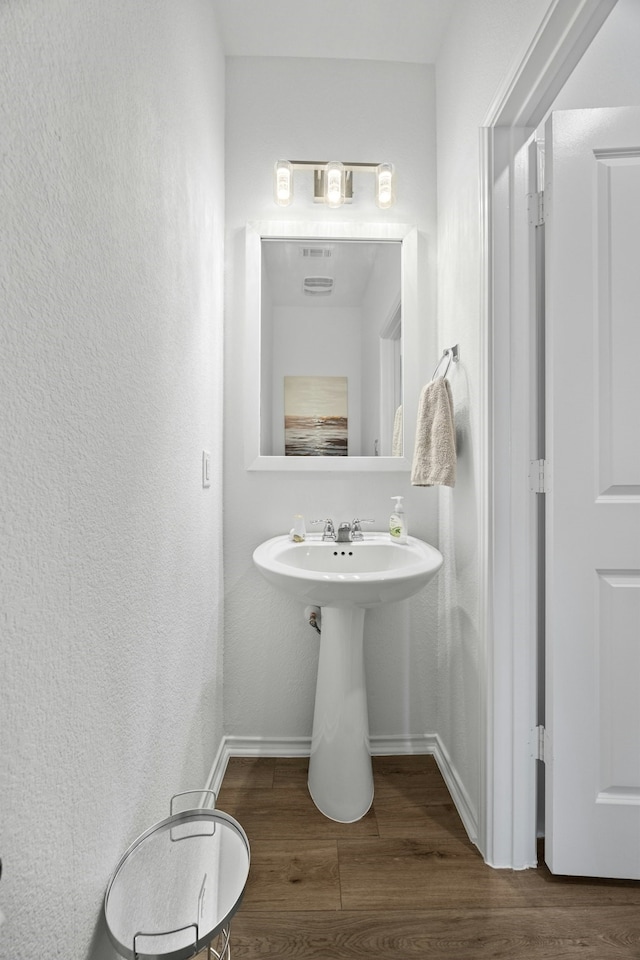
(592,227)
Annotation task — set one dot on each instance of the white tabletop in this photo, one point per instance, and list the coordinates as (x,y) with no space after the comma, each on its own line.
(177,886)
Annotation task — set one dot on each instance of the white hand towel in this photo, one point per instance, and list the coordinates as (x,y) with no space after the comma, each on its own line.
(396,447)
(434,456)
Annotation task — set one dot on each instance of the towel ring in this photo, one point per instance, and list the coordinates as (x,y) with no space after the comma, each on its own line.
(452,353)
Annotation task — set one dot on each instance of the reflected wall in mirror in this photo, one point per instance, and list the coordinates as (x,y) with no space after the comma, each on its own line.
(331,318)
(330,304)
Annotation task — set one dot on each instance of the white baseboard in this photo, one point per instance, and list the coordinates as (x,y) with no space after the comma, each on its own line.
(216,774)
(466,810)
(385,746)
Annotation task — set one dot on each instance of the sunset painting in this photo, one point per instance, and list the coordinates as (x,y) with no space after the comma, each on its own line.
(315,416)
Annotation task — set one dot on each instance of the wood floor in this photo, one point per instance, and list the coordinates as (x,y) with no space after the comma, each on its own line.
(404,882)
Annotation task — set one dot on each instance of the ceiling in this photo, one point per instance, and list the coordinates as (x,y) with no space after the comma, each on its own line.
(348,264)
(408,31)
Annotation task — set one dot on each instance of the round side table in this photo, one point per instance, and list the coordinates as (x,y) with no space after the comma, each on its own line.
(176,888)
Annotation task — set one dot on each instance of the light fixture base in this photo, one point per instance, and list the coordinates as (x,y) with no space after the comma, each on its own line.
(319,186)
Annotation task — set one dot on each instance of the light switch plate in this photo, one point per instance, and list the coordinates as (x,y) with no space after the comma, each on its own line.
(206,468)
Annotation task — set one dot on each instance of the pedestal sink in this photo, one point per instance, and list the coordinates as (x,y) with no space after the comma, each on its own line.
(344,579)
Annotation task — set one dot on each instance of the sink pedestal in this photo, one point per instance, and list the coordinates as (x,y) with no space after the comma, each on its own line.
(340,774)
(344,579)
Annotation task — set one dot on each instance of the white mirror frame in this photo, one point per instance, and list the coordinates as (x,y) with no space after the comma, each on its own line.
(258,230)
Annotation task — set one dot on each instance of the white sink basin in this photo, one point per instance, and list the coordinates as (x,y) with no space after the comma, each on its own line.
(364,574)
(344,579)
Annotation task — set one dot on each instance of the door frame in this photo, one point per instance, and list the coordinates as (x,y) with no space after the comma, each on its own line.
(508,531)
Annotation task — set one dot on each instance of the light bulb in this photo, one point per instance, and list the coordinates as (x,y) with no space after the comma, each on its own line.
(283,183)
(385,185)
(334,184)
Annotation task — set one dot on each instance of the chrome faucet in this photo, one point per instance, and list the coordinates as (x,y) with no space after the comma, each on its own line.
(348,532)
(344,533)
(329,532)
(356,530)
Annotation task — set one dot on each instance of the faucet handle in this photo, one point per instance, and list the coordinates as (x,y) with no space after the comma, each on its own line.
(329,532)
(356,532)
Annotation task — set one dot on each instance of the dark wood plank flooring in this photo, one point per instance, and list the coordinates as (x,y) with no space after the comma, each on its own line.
(404,882)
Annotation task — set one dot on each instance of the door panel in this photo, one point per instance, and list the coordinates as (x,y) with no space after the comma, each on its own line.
(619,661)
(592,260)
(618,261)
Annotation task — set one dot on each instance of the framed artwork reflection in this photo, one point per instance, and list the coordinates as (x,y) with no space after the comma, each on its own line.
(315,417)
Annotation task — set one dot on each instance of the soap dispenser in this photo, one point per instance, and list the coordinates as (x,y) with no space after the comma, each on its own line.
(397,522)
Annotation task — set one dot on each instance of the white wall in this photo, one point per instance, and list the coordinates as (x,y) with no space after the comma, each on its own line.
(320,109)
(608,74)
(380,303)
(336,336)
(110,271)
(484,39)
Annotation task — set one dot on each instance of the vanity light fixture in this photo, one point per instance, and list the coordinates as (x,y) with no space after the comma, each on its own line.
(385,185)
(283,183)
(334,187)
(333,181)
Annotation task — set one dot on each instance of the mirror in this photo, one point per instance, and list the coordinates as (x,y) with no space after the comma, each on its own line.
(331,336)
(328,307)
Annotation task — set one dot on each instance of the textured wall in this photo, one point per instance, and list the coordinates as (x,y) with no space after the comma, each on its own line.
(320,109)
(111,120)
(608,75)
(483,40)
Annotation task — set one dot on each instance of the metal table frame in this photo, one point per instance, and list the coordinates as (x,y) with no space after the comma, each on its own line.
(180,826)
